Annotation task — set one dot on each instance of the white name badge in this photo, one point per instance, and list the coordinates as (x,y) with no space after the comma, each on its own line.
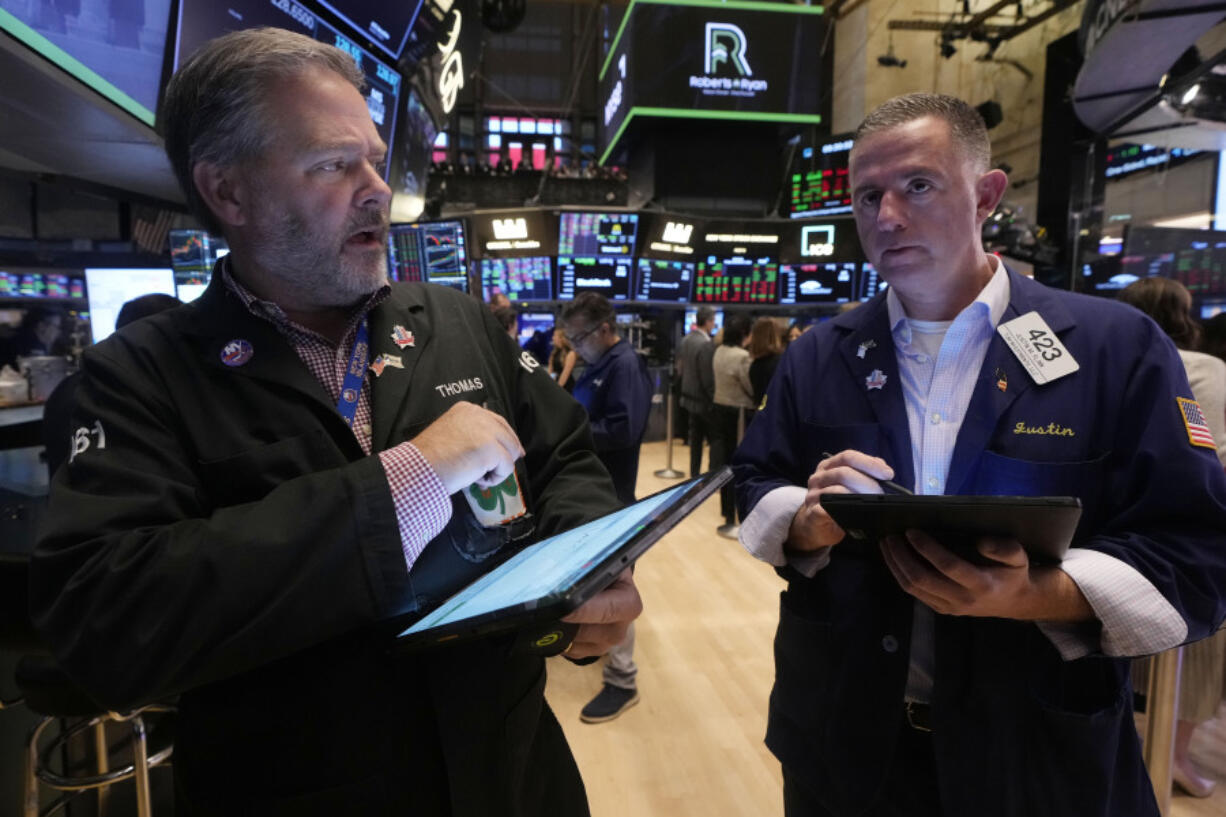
(1037,348)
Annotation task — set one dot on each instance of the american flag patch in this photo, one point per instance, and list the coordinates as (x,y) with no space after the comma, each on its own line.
(1194,422)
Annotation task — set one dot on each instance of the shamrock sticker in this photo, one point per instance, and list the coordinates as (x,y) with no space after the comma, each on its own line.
(496,496)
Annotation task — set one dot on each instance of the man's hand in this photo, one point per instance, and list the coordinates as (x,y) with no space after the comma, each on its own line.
(605,617)
(1011,588)
(847,472)
(469,444)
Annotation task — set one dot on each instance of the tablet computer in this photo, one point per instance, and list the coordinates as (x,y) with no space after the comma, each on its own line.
(550,578)
(1044,525)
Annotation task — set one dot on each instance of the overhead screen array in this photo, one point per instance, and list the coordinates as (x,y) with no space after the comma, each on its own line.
(535,256)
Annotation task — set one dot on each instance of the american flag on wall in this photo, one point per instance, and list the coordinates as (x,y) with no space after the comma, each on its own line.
(1194,422)
(149,228)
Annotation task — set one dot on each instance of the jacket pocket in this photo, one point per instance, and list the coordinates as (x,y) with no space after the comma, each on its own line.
(250,475)
(999,475)
(802,674)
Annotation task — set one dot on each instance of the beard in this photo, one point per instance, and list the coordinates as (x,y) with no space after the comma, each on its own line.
(316,265)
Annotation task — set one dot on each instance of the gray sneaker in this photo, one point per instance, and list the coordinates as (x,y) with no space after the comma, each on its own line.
(610,702)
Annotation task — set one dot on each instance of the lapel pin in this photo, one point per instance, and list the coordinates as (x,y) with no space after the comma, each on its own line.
(383,361)
(1002,382)
(864,347)
(875,380)
(402,337)
(237,352)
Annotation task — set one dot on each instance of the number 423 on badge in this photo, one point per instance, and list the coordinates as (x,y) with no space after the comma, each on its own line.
(1038,348)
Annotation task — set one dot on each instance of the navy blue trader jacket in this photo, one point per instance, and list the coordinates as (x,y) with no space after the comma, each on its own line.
(222,537)
(1018,730)
(616,391)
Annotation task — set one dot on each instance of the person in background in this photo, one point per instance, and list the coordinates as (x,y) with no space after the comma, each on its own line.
(499,300)
(57,427)
(765,351)
(615,389)
(910,679)
(508,319)
(795,330)
(1169,304)
(1213,336)
(698,382)
(732,400)
(282,473)
(562,360)
(38,335)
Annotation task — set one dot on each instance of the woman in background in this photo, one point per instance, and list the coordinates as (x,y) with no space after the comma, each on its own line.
(562,360)
(765,350)
(1204,662)
(733,394)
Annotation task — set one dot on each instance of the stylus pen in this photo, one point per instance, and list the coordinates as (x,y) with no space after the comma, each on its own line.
(889,485)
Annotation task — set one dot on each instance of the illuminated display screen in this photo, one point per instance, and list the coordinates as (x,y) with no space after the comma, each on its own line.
(32,285)
(819,183)
(514,233)
(829,283)
(202,20)
(114,48)
(1126,159)
(736,280)
(665,281)
(110,289)
(429,251)
(529,323)
(386,24)
(1194,258)
(611,277)
(57,286)
(520,279)
(593,234)
(9,283)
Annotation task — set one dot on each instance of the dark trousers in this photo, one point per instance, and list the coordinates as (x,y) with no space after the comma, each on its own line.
(722,430)
(700,432)
(909,789)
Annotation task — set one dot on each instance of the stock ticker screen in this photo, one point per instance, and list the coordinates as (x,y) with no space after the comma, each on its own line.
(520,279)
(820,185)
(429,251)
(1194,258)
(597,234)
(611,277)
(736,280)
(664,281)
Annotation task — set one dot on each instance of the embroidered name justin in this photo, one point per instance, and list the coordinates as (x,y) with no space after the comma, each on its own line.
(1049,430)
(459,387)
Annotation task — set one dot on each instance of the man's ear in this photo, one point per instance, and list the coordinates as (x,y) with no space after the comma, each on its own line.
(989,190)
(223,192)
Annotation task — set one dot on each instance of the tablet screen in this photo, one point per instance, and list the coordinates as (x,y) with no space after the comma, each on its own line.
(551,566)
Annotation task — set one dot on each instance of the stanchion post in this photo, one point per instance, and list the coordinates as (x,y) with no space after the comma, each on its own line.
(668,472)
(1161,705)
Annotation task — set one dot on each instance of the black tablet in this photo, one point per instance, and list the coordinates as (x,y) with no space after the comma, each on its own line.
(1044,525)
(547,580)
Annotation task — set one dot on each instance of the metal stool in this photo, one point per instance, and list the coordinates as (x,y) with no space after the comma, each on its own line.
(48,691)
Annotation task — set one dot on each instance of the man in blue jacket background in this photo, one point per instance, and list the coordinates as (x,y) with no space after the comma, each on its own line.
(615,388)
(910,680)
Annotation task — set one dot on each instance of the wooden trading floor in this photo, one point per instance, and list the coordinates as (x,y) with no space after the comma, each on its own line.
(693,745)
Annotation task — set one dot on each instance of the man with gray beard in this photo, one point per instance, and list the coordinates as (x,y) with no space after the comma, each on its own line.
(267,482)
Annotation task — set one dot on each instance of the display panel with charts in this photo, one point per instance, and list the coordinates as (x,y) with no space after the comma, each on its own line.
(546,580)
(664,281)
(520,279)
(610,277)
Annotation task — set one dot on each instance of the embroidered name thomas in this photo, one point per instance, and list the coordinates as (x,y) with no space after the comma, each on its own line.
(463,386)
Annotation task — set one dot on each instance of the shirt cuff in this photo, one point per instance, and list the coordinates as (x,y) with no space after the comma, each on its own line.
(765,530)
(423,507)
(1136,618)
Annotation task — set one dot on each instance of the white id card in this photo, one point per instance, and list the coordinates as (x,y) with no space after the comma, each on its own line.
(1037,348)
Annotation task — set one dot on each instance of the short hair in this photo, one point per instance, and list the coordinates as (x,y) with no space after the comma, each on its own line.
(764,338)
(1168,302)
(736,327)
(144,306)
(215,106)
(705,315)
(592,308)
(965,124)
